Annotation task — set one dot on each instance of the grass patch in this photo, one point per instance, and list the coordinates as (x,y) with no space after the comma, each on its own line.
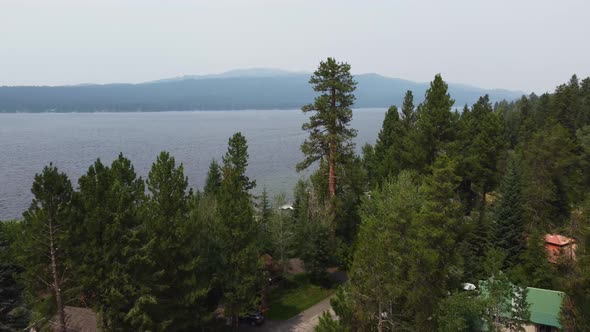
(293,296)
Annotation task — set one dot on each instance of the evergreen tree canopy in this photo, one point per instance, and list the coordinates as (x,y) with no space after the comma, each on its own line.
(330,137)
(509,223)
(214,177)
(435,119)
(241,279)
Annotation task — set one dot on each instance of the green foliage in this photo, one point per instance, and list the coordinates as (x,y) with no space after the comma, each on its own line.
(435,120)
(478,240)
(330,138)
(461,311)
(328,324)
(265,208)
(295,295)
(314,235)
(574,312)
(241,278)
(171,266)
(100,238)
(350,189)
(165,260)
(14,314)
(505,304)
(279,231)
(332,113)
(316,249)
(389,146)
(381,261)
(44,262)
(498,304)
(235,163)
(406,256)
(398,144)
(213,181)
(509,223)
(534,269)
(479,148)
(551,177)
(440,228)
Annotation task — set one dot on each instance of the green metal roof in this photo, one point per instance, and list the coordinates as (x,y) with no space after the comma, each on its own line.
(545,306)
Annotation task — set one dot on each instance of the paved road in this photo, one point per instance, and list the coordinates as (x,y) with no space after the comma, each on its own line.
(305,321)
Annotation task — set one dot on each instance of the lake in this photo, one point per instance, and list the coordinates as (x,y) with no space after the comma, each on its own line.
(73,141)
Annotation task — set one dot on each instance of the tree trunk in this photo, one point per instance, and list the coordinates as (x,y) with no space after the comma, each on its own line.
(56,282)
(235,322)
(332,172)
(332,157)
(380,321)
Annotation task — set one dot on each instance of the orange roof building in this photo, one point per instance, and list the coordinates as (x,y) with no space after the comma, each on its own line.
(558,245)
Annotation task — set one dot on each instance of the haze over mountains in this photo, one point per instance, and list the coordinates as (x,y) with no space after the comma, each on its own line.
(256,88)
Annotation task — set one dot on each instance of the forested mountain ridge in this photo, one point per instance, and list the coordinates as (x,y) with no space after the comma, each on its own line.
(234,90)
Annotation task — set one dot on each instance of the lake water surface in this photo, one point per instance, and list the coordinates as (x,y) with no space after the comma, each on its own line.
(72,141)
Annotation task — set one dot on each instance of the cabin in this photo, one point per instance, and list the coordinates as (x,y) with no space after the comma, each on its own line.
(559,246)
(545,306)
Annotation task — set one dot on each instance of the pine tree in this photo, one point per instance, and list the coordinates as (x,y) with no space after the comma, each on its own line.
(328,324)
(535,269)
(44,222)
(265,208)
(481,147)
(436,267)
(411,154)
(574,311)
(500,295)
(567,105)
(408,111)
(381,260)
(551,177)
(329,135)
(509,222)
(314,235)
(389,146)
(241,277)
(435,120)
(213,181)
(13,313)
(370,164)
(280,232)
(171,270)
(100,238)
(526,123)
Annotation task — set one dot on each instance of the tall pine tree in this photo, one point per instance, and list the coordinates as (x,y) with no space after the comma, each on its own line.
(435,120)
(44,221)
(509,222)
(240,277)
(330,137)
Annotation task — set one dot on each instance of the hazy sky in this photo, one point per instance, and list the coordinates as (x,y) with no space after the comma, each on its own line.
(515,44)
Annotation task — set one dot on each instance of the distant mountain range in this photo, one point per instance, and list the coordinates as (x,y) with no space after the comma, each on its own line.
(257,88)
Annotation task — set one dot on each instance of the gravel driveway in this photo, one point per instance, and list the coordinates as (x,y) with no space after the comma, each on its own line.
(305,321)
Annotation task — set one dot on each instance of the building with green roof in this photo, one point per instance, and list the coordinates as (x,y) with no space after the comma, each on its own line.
(545,306)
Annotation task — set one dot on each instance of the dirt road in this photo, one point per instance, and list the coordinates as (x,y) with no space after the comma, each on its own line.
(305,321)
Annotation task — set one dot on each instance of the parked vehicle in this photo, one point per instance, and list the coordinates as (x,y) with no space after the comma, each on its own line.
(275,280)
(252,319)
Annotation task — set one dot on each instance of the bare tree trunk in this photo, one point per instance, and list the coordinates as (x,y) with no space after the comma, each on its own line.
(332,172)
(380,321)
(56,281)
(332,157)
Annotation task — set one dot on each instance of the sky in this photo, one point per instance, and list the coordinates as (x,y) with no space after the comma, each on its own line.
(526,45)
